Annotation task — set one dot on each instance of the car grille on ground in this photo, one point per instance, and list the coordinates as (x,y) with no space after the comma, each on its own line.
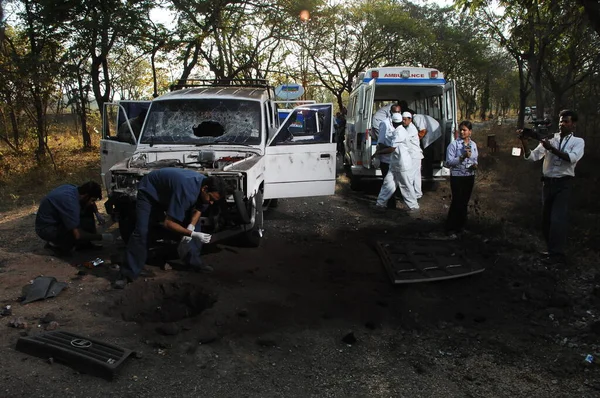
(81,353)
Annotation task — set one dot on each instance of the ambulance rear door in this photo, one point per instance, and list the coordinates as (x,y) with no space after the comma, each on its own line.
(448,123)
(368,117)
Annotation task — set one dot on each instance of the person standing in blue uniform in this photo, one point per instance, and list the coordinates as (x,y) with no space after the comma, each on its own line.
(175,196)
(65,218)
(461,158)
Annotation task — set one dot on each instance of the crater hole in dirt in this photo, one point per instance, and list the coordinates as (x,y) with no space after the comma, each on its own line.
(162,302)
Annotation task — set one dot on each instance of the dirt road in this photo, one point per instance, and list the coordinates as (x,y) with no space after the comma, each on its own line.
(271,321)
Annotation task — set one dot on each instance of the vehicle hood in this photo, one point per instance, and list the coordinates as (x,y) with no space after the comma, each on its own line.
(203,159)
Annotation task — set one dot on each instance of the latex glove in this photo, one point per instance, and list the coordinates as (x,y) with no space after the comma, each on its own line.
(202,237)
(108,237)
(187,239)
(100,218)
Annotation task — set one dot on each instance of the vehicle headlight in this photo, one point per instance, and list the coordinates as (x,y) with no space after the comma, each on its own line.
(125,181)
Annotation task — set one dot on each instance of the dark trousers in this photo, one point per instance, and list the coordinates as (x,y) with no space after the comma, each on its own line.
(461,187)
(555,212)
(385,168)
(148,214)
(64,239)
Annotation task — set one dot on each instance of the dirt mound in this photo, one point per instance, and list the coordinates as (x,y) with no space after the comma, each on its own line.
(161,302)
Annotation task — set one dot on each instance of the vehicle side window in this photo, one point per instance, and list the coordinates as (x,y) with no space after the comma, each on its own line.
(306,126)
(448,111)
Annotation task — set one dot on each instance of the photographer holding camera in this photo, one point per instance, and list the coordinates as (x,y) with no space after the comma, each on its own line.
(561,154)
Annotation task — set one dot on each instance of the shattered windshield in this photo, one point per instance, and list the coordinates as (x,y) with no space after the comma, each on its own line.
(203,122)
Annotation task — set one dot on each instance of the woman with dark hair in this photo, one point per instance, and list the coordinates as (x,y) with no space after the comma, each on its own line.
(461,158)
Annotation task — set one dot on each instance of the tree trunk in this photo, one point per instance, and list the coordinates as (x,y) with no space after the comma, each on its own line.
(13,122)
(98,62)
(82,110)
(523,94)
(485,98)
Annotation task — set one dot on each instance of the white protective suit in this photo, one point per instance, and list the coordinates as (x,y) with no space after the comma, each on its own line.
(401,170)
(426,122)
(416,154)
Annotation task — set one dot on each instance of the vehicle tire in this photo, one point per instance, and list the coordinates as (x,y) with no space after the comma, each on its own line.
(126,226)
(253,237)
(270,204)
(354,182)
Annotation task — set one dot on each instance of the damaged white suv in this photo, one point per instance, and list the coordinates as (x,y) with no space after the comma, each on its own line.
(227,129)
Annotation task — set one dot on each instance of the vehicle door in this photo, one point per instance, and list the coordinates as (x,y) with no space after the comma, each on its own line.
(449,126)
(449,123)
(300,156)
(368,117)
(113,148)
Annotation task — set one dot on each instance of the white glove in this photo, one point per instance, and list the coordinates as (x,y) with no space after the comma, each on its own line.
(187,239)
(204,238)
(108,237)
(100,218)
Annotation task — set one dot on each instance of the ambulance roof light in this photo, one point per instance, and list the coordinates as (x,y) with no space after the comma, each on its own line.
(374,74)
(433,74)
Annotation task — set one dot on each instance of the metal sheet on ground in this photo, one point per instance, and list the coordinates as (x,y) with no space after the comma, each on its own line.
(420,260)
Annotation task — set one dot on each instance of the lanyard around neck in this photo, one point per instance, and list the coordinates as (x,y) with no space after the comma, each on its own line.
(566,142)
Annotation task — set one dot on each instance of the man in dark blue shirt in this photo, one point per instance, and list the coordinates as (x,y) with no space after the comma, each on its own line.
(65,217)
(176,196)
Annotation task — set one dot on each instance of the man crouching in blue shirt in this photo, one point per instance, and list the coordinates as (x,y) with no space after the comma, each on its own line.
(175,196)
(65,218)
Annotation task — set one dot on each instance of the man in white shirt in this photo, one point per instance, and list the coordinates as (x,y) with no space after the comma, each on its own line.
(382,114)
(416,153)
(561,154)
(400,166)
(386,129)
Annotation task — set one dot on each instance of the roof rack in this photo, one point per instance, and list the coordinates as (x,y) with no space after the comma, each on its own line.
(189,83)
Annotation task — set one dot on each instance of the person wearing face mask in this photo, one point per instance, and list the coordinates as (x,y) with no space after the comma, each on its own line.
(386,130)
(461,158)
(400,166)
(175,197)
(561,154)
(65,218)
(416,153)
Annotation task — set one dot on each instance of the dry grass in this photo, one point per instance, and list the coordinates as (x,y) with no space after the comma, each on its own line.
(24,181)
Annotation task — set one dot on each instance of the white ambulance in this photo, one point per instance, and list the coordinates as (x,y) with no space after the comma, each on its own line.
(426,92)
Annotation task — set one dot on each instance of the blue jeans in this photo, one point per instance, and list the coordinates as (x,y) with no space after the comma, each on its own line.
(149,213)
(555,213)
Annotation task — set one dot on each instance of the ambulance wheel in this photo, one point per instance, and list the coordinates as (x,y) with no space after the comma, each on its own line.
(354,183)
(270,204)
(253,237)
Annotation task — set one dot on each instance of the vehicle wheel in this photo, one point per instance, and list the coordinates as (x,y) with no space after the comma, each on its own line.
(126,221)
(126,226)
(354,182)
(269,204)
(253,237)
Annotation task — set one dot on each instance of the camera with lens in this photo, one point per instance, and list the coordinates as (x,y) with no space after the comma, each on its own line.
(540,130)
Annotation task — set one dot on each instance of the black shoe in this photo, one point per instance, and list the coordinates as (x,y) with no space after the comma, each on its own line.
(555,261)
